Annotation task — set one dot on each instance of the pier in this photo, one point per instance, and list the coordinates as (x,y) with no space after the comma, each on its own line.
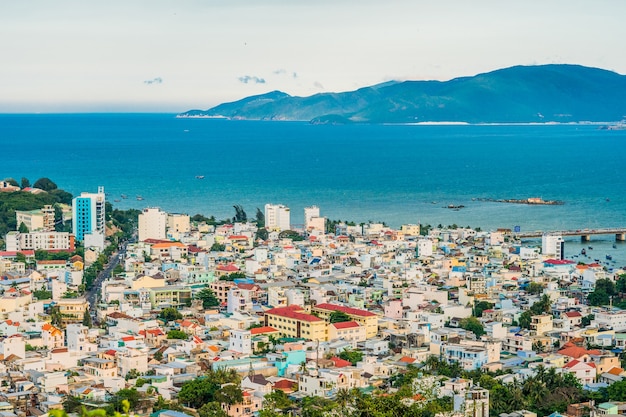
(585,234)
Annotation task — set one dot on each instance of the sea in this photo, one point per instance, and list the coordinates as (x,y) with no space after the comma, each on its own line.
(395,174)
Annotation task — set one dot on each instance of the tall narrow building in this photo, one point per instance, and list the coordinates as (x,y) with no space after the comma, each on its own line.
(277,217)
(152,224)
(553,245)
(88,214)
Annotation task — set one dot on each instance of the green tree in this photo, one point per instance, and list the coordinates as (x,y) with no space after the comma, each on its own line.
(118,269)
(218,247)
(586,320)
(208,298)
(212,409)
(480,307)
(45,184)
(352,356)
(240,214)
(12,182)
(25,183)
(262,233)
(200,391)
(87,319)
(131,395)
(617,391)
(473,325)
(170,314)
(72,404)
(277,400)
(177,334)
(534,288)
(229,394)
(291,234)
(20,257)
(22,228)
(525,319)
(338,317)
(260,218)
(602,293)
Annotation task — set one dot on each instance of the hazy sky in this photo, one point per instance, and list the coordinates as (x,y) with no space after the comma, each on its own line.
(174,55)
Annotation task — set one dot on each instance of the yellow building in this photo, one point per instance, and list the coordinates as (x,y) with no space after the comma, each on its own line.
(292,321)
(363,317)
(146,281)
(72,310)
(540,324)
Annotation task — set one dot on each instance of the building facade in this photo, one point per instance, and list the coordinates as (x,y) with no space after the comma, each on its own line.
(553,245)
(277,216)
(88,214)
(152,224)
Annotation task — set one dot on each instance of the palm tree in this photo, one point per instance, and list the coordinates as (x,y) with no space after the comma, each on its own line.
(303,369)
(343,397)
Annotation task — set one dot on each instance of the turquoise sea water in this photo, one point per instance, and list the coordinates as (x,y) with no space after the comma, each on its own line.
(396,174)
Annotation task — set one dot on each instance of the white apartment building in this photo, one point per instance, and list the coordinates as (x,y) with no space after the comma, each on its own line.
(309,213)
(312,219)
(36,220)
(239,300)
(276,297)
(277,217)
(178,223)
(615,320)
(240,341)
(553,245)
(152,224)
(424,247)
(16,241)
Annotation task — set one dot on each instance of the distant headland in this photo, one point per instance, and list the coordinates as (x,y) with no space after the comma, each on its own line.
(556,93)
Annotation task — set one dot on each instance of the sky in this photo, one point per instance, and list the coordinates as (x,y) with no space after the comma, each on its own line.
(172,56)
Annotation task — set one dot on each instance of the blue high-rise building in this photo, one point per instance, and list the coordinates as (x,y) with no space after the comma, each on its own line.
(88,215)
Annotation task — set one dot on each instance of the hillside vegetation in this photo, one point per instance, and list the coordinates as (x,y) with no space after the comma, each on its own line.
(521,94)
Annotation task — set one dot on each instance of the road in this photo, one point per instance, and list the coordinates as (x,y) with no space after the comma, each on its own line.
(92,294)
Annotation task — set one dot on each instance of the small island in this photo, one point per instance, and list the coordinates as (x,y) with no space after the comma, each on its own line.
(531,200)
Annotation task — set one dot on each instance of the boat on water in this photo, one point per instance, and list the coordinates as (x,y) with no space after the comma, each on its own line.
(608,257)
(200,177)
(139,198)
(117,200)
(583,252)
(124,196)
(614,246)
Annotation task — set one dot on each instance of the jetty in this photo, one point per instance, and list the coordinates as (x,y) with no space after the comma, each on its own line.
(585,234)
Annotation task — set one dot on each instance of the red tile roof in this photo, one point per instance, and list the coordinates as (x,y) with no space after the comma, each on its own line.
(573,351)
(11,253)
(572,314)
(251,287)
(348,310)
(261,330)
(346,325)
(228,268)
(293,312)
(340,363)
(575,362)
(284,384)
(558,262)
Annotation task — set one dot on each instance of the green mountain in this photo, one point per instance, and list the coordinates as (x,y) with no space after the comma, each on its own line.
(521,94)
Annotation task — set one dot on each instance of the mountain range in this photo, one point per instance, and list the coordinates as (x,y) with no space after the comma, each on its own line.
(520,94)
